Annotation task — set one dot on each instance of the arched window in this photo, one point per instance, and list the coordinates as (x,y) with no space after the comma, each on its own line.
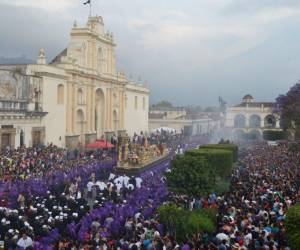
(60,94)
(239,121)
(254,121)
(270,121)
(136,102)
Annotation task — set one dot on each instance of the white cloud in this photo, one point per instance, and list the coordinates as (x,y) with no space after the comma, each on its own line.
(269,15)
(169,30)
(49,5)
(172,41)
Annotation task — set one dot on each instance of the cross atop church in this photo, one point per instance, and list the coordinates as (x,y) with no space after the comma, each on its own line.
(90,3)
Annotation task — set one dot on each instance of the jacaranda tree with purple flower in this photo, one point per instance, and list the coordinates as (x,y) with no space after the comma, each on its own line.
(288,106)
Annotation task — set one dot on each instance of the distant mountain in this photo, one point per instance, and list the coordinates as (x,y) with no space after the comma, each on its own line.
(16,60)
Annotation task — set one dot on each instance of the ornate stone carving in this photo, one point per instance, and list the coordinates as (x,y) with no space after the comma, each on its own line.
(42,52)
(42,57)
(7,90)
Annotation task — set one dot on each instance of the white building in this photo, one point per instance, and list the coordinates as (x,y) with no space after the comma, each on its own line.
(178,119)
(75,99)
(251,117)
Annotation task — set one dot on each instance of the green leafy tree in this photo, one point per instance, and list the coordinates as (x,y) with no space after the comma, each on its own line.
(173,218)
(163,104)
(292,223)
(288,107)
(199,223)
(191,175)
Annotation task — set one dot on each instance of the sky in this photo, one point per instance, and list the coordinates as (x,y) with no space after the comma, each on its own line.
(189,52)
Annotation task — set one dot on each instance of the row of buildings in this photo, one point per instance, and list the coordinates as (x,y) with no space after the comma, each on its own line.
(248,119)
(80,96)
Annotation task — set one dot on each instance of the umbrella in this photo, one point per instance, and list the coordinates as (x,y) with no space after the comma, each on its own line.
(100,144)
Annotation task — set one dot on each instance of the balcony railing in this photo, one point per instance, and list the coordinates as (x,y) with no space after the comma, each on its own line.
(8,105)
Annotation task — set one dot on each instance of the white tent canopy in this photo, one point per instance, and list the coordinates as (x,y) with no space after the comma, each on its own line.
(166,129)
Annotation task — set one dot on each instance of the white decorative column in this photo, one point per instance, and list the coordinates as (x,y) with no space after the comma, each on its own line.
(247,119)
(262,122)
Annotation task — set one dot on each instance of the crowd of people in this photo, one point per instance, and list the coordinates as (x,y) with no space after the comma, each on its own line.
(24,163)
(70,196)
(251,214)
(99,209)
(35,217)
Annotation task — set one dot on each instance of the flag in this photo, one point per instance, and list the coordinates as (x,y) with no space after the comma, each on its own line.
(87,2)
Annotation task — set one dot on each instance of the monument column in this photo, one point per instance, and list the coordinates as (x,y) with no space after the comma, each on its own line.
(262,122)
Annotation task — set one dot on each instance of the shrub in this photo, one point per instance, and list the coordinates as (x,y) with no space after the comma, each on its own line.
(199,223)
(209,212)
(192,175)
(274,135)
(219,159)
(227,146)
(222,141)
(172,217)
(180,222)
(292,223)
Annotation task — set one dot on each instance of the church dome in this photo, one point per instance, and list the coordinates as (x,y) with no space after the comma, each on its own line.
(248,98)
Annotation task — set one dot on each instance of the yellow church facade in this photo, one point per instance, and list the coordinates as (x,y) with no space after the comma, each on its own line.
(76,98)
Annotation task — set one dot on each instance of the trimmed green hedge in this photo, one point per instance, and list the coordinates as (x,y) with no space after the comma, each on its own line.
(220,159)
(181,223)
(273,135)
(227,146)
(292,223)
(191,175)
